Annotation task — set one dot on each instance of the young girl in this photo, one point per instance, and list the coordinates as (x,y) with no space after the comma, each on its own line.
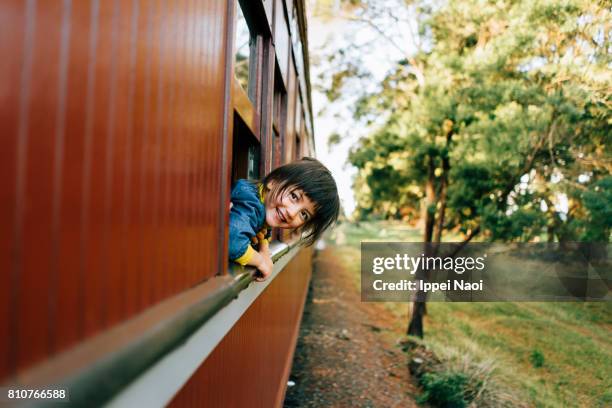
(301,196)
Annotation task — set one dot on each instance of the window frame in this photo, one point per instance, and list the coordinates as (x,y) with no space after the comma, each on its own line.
(246,103)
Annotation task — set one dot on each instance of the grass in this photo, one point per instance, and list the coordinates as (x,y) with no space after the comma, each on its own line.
(546,354)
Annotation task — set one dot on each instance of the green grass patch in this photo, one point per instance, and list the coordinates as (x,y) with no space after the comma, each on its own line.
(545,354)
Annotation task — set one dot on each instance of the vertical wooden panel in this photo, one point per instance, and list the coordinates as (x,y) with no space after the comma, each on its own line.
(143,149)
(166,137)
(152,272)
(268,100)
(13,36)
(130,256)
(182,146)
(303,142)
(298,154)
(98,150)
(172,279)
(134,291)
(199,199)
(192,147)
(228,127)
(35,169)
(278,150)
(118,162)
(291,113)
(68,189)
(251,365)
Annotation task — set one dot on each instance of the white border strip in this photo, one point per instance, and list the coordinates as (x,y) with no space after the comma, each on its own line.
(158,385)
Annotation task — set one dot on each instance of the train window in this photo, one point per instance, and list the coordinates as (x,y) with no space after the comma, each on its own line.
(253,162)
(278,120)
(297,152)
(245,152)
(280,101)
(247,73)
(243,45)
(277,150)
(281,39)
(295,35)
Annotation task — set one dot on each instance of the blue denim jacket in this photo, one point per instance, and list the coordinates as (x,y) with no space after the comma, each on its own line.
(247,217)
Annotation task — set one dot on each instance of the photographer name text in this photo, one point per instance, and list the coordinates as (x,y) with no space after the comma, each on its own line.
(430,287)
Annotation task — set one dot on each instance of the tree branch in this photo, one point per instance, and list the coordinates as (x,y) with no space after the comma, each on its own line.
(415,66)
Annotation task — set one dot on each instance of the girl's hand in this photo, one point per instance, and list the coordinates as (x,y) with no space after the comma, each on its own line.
(265,262)
(261,235)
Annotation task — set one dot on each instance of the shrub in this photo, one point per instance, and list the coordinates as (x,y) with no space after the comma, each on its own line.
(444,389)
(454,377)
(537,358)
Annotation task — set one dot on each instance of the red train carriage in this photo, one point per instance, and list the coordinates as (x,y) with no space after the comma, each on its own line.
(124,123)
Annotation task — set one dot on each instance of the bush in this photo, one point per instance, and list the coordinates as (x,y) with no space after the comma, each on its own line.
(454,377)
(537,358)
(444,389)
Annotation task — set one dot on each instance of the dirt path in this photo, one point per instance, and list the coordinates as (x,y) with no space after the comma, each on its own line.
(346,354)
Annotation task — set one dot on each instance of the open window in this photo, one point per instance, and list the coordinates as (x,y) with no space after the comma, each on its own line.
(245,54)
(264,87)
(246,85)
(278,121)
(246,153)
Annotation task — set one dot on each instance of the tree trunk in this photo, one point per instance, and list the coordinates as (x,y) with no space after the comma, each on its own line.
(415,327)
(419,304)
(441,211)
(419,308)
(448,129)
(433,231)
(430,201)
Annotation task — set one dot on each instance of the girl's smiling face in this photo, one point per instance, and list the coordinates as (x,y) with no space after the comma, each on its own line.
(290,210)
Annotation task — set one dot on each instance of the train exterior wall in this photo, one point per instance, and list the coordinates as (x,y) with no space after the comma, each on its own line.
(117,130)
(251,366)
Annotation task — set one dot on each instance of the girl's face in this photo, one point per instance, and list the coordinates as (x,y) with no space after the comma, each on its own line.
(290,210)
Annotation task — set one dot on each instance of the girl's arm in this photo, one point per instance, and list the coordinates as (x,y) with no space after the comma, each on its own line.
(262,260)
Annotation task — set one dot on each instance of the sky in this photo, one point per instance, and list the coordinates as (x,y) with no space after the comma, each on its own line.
(334,34)
(324,124)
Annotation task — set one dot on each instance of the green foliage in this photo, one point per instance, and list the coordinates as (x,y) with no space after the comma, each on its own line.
(444,389)
(333,140)
(536,358)
(470,192)
(598,203)
(523,224)
(498,92)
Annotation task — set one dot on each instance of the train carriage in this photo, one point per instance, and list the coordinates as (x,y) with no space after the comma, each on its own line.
(124,124)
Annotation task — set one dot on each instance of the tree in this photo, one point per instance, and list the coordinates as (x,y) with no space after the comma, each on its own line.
(499,123)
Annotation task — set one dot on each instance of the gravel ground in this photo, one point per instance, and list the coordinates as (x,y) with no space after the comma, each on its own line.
(347,354)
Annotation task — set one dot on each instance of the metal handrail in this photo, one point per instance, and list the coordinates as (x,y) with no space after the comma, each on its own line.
(103,378)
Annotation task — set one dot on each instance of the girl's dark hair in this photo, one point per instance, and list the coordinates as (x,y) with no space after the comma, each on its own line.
(317,183)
